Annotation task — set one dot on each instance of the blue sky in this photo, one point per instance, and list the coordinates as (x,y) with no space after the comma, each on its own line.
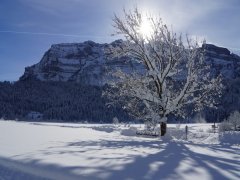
(29,27)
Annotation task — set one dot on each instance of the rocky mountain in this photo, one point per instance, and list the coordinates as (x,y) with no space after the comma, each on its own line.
(68,82)
(222,61)
(86,63)
(89,62)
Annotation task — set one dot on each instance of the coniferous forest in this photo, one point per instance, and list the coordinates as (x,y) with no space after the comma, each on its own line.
(56,101)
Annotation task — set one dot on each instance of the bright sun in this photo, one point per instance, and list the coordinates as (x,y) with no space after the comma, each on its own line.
(145,28)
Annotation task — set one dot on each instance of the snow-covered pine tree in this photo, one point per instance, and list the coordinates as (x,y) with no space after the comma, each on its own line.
(174,74)
(234,119)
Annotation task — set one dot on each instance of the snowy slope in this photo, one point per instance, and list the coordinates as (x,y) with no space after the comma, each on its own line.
(77,151)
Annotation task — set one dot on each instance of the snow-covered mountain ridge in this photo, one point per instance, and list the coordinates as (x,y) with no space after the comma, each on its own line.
(89,62)
(86,62)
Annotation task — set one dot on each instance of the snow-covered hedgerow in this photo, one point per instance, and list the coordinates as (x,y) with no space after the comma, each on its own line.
(224,126)
(232,123)
(107,129)
(234,119)
(129,132)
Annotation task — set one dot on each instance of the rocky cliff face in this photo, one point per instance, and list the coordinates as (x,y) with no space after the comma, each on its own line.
(222,61)
(86,62)
(89,62)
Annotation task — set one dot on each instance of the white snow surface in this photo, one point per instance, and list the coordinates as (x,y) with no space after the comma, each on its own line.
(93,151)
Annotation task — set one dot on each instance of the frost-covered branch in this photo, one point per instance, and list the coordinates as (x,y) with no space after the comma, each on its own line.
(173,75)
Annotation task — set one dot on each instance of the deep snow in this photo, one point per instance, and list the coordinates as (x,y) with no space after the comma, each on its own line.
(81,151)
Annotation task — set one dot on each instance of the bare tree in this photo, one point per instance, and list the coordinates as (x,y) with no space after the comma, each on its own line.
(173,74)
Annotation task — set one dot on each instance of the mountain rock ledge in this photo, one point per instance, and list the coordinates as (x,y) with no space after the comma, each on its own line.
(89,62)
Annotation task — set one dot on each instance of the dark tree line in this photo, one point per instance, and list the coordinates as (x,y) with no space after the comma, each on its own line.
(67,101)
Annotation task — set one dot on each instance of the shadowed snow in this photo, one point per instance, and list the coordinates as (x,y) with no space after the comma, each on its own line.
(82,151)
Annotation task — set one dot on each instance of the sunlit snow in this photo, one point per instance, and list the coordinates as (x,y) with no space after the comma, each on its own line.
(93,151)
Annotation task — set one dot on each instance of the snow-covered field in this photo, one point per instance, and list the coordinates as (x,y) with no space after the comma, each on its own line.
(80,151)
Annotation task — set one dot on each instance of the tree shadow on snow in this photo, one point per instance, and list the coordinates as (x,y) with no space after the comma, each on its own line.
(169,160)
(35,170)
(168,163)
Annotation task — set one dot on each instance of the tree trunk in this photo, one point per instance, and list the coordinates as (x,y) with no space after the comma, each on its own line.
(163,127)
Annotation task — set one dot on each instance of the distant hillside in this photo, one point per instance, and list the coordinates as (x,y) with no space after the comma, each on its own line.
(68,81)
